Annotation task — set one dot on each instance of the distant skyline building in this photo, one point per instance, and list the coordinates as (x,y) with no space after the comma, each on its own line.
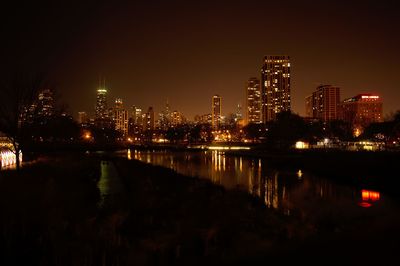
(239,114)
(324,103)
(253,101)
(148,119)
(82,118)
(203,119)
(42,107)
(135,121)
(216,111)
(118,103)
(136,115)
(362,110)
(165,117)
(101,103)
(120,117)
(177,118)
(275,86)
(45,103)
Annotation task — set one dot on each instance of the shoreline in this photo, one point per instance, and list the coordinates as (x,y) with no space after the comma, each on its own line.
(159,218)
(374,170)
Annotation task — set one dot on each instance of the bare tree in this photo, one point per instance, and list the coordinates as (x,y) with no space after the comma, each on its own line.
(17,93)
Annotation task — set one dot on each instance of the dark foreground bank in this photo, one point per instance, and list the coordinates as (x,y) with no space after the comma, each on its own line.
(54,213)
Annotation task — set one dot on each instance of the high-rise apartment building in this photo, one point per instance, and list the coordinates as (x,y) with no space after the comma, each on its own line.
(120,117)
(216,108)
(118,103)
(148,120)
(121,121)
(177,118)
(362,110)
(45,103)
(203,119)
(324,103)
(165,117)
(253,101)
(135,121)
(275,86)
(310,104)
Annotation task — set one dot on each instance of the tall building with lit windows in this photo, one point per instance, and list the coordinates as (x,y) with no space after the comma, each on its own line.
(324,103)
(118,103)
(216,108)
(362,110)
(148,120)
(120,117)
(253,101)
(136,115)
(275,86)
(45,103)
(101,103)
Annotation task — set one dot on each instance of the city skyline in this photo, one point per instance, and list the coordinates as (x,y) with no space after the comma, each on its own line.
(180,51)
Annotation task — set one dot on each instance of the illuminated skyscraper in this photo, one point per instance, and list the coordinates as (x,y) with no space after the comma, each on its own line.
(239,115)
(361,110)
(148,120)
(45,103)
(135,121)
(165,117)
(101,103)
(253,101)
(275,86)
(324,103)
(118,103)
(136,115)
(120,117)
(216,107)
(176,118)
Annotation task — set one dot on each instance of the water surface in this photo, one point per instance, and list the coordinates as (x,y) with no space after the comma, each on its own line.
(288,191)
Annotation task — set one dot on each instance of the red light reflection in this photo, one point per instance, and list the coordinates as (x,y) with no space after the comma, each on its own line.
(368,195)
(365,204)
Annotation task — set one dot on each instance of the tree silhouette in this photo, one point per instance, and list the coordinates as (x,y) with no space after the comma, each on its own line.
(19,92)
(286,130)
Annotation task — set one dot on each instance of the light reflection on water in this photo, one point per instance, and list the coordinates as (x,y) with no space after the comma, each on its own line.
(284,190)
(109,183)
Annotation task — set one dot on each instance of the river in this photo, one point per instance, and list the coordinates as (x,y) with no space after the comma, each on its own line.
(288,191)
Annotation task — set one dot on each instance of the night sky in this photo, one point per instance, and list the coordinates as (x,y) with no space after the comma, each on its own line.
(187,51)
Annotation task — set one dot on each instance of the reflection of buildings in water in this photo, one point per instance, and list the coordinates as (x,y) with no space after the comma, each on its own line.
(273,191)
(129,154)
(171,162)
(282,190)
(223,162)
(325,189)
(137,155)
(254,177)
(216,167)
(317,187)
